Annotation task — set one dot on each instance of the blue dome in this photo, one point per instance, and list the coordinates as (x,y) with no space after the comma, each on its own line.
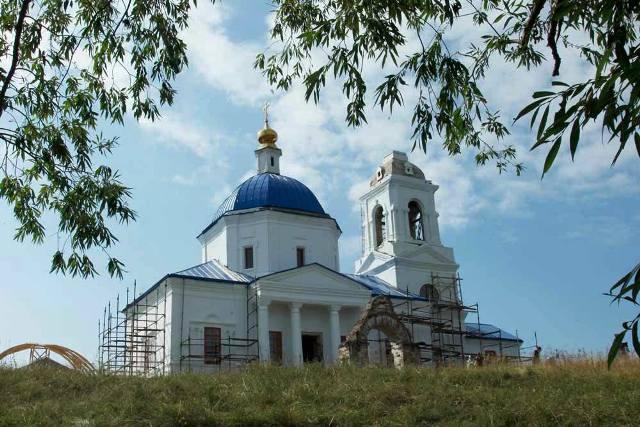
(273,191)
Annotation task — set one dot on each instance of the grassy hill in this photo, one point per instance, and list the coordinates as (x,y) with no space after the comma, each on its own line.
(577,394)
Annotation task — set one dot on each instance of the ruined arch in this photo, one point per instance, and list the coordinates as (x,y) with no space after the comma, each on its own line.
(39,351)
(379,315)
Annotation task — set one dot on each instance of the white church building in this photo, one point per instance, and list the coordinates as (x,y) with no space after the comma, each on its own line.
(269,286)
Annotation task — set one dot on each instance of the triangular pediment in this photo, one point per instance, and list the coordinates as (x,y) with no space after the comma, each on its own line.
(430,255)
(373,260)
(314,278)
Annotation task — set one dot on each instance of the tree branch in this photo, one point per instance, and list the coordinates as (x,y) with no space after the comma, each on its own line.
(16,50)
(531,21)
(551,42)
(552,38)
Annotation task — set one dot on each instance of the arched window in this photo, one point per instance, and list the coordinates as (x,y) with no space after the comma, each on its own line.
(430,292)
(381,228)
(415,221)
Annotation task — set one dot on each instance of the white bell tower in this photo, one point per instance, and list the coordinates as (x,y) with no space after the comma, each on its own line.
(401,236)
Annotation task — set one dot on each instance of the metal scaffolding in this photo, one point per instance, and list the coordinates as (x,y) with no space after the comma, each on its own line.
(233,353)
(497,349)
(441,318)
(132,338)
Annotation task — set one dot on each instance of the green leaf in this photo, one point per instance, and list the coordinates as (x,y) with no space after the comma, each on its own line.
(635,289)
(574,137)
(615,346)
(528,109)
(551,156)
(636,138)
(543,122)
(603,61)
(543,94)
(634,338)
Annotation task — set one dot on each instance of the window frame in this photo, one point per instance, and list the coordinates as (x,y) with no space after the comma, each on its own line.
(245,262)
(301,256)
(212,351)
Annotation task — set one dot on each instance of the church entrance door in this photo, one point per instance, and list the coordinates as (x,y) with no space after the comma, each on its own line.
(312,348)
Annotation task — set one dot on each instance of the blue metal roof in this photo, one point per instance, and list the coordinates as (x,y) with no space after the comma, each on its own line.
(270,190)
(214,270)
(487,331)
(378,286)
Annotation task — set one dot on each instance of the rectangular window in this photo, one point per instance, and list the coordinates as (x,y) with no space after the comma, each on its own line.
(272,161)
(300,256)
(275,346)
(212,346)
(248,257)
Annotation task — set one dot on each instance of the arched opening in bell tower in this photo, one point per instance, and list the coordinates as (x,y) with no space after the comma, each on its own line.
(416,229)
(381,227)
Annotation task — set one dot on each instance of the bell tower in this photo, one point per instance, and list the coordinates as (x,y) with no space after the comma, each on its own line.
(401,235)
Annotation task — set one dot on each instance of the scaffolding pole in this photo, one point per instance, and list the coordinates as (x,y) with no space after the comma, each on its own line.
(132,339)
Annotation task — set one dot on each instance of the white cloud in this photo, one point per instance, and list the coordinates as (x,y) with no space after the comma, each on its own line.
(333,159)
(223,63)
(176,131)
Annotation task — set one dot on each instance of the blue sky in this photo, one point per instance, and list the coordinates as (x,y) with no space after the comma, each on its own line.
(535,254)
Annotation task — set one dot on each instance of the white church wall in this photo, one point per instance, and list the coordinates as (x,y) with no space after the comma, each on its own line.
(216,247)
(274,236)
(279,320)
(414,277)
(169,324)
(197,304)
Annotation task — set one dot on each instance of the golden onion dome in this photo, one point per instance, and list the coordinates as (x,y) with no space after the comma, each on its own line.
(266,135)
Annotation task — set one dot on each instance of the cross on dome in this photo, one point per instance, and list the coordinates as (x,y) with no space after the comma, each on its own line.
(265,109)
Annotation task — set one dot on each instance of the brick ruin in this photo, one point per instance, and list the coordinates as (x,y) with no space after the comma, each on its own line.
(379,315)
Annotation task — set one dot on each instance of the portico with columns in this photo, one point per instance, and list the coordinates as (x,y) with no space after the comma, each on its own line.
(313,302)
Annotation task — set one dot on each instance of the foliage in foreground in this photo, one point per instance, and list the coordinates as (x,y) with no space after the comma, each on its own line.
(575,394)
(68,68)
(627,289)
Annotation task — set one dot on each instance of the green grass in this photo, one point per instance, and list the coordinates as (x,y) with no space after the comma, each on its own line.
(576,394)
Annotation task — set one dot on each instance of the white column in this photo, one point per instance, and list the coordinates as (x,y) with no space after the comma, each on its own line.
(263,332)
(334,327)
(391,224)
(296,334)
